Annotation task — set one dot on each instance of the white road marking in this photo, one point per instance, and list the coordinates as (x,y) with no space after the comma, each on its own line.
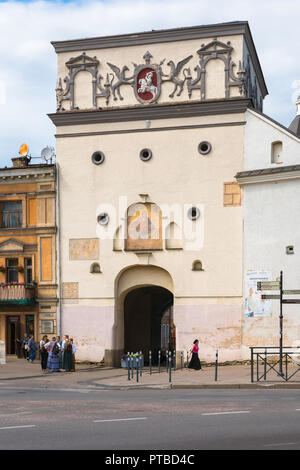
(120,419)
(280,444)
(18,427)
(224,413)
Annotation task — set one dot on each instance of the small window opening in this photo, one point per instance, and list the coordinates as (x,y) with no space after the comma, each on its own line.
(276,152)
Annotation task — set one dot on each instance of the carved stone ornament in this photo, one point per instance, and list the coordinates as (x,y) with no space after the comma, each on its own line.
(147,78)
(222,51)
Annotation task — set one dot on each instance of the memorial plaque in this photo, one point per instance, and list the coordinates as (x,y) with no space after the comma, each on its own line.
(2,353)
(47,326)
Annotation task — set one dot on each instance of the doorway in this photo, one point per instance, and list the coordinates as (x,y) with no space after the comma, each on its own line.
(148,321)
(12,334)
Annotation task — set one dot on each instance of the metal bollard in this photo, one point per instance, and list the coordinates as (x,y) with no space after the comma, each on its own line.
(167,360)
(150,362)
(174,359)
(187,359)
(216,369)
(159,361)
(141,363)
(128,365)
(265,365)
(181,360)
(137,367)
(132,365)
(170,366)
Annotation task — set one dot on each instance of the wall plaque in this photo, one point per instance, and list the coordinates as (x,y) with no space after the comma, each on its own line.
(47,326)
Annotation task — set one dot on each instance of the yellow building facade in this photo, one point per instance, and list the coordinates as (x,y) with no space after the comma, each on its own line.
(28,286)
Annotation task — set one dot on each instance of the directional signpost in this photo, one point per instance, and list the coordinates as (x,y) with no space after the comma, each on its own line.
(278,286)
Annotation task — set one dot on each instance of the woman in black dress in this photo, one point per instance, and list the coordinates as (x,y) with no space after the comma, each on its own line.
(43,353)
(195,361)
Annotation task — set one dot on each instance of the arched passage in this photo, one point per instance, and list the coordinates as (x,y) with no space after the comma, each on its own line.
(148,320)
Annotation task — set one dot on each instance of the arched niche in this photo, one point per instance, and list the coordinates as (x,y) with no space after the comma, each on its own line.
(197,265)
(173,238)
(83,90)
(118,241)
(95,268)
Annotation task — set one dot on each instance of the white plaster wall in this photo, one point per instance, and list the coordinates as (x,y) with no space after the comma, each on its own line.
(177,173)
(271,222)
(259,135)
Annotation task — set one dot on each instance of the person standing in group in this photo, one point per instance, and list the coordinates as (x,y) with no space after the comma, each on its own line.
(53,356)
(73,353)
(24,346)
(195,361)
(31,348)
(44,353)
(59,342)
(68,363)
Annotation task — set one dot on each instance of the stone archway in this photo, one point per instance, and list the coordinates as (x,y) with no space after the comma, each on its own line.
(132,279)
(148,321)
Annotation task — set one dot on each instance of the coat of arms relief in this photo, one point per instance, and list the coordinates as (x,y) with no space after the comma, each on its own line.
(147,78)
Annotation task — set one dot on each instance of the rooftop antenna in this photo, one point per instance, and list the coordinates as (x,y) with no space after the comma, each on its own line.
(47,154)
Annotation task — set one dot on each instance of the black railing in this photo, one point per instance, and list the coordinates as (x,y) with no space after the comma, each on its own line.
(166,361)
(268,359)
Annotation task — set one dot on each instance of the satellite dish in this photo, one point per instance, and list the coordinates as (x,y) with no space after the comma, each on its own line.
(24,150)
(47,153)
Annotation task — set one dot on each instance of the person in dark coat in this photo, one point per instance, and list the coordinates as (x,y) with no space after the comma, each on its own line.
(44,353)
(68,361)
(195,361)
(24,345)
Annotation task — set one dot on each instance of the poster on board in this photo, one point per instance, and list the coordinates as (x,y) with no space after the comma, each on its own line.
(255,306)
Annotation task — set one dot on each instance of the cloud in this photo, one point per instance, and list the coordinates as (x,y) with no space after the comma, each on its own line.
(28,61)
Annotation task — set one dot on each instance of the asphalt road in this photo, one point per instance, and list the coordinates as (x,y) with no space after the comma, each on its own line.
(37,419)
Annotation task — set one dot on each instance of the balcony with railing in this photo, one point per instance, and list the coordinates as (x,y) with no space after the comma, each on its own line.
(17,294)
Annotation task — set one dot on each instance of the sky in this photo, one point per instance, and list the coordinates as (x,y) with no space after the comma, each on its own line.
(28,60)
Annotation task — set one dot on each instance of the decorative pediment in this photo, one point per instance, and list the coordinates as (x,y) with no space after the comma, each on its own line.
(82,60)
(11,245)
(215,46)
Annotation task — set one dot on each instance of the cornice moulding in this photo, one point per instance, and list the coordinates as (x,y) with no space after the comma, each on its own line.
(151,112)
(268,178)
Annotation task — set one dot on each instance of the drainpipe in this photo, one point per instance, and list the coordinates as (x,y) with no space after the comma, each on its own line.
(58,313)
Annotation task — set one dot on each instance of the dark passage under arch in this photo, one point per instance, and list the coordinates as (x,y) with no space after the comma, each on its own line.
(148,321)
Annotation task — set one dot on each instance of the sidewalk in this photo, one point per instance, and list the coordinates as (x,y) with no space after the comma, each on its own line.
(18,372)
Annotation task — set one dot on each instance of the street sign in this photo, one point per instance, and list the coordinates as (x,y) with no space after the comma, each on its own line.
(269,296)
(291,292)
(268,285)
(291,301)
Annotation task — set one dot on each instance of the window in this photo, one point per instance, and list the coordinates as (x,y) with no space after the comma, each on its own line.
(276,152)
(12,270)
(11,214)
(28,270)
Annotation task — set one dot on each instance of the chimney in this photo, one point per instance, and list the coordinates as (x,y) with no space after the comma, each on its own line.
(20,162)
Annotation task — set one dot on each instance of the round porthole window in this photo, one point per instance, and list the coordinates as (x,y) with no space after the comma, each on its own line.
(98,158)
(103,218)
(204,147)
(145,155)
(193,213)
